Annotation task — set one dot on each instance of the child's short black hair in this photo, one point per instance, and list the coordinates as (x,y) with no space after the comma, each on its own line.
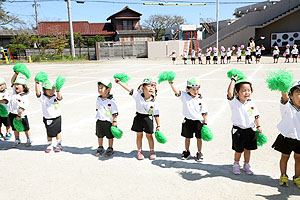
(239,85)
(99,83)
(293,89)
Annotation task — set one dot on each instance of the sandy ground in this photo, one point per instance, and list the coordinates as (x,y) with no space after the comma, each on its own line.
(75,173)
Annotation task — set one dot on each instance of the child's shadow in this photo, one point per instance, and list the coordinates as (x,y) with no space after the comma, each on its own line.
(226,171)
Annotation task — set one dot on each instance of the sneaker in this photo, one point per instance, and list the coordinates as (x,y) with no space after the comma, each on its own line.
(28,143)
(284,180)
(16,143)
(236,168)
(100,151)
(185,155)
(57,149)
(296,180)
(199,156)
(140,155)
(109,152)
(152,155)
(48,149)
(247,169)
(7,136)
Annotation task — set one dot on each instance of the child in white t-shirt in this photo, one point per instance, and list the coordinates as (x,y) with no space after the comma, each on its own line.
(295,53)
(239,54)
(276,54)
(229,54)
(208,54)
(215,58)
(200,55)
(193,56)
(287,53)
(173,56)
(4,100)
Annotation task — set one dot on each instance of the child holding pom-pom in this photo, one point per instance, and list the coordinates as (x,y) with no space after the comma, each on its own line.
(51,112)
(146,110)
(18,106)
(107,112)
(289,138)
(195,115)
(245,117)
(287,53)
(276,54)
(208,54)
(295,53)
(4,100)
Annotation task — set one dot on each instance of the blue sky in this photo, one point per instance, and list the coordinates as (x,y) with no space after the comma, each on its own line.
(98,12)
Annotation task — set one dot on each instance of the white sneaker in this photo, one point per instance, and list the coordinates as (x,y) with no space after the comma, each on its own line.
(16,143)
(28,143)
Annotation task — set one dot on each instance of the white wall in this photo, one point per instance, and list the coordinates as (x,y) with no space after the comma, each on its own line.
(161,49)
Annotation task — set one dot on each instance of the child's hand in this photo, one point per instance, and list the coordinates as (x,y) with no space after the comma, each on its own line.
(157,128)
(259,129)
(17,118)
(114,124)
(117,80)
(234,77)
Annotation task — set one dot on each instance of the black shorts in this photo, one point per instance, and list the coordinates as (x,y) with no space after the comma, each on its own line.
(199,58)
(295,55)
(253,54)
(243,139)
(286,145)
(215,58)
(276,56)
(222,57)
(193,59)
(189,127)
(4,121)
(239,57)
(247,57)
(53,126)
(258,56)
(25,121)
(207,57)
(184,58)
(287,56)
(103,129)
(173,59)
(228,57)
(142,123)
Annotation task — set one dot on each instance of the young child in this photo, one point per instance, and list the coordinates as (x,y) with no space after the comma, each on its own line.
(276,54)
(51,113)
(229,54)
(287,54)
(4,96)
(18,106)
(295,53)
(200,55)
(195,115)
(239,54)
(215,58)
(107,113)
(248,55)
(185,56)
(258,54)
(245,117)
(208,53)
(193,56)
(223,54)
(173,56)
(146,110)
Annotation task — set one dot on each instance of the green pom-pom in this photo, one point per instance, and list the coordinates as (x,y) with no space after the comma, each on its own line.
(21,68)
(280,80)
(41,77)
(18,125)
(60,81)
(235,72)
(122,77)
(117,133)
(166,76)
(261,139)
(160,137)
(206,134)
(3,111)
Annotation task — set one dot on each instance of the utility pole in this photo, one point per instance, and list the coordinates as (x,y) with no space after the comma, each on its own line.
(217,43)
(36,14)
(71,28)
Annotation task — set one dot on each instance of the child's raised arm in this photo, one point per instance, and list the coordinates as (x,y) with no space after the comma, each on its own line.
(230,91)
(58,94)
(14,77)
(123,85)
(37,89)
(174,89)
(284,97)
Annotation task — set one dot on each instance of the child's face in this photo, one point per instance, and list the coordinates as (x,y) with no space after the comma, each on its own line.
(295,97)
(49,92)
(245,92)
(149,89)
(103,91)
(2,87)
(19,88)
(194,91)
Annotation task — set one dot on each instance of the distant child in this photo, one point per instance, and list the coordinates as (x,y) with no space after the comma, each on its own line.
(258,54)
(18,106)
(195,115)
(185,56)
(288,140)
(223,54)
(4,100)
(208,53)
(287,54)
(106,116)
(200,55)
(276,54)
(245,117)
(173,56)
(239,54)
(229,54)
(215,58)
(248,55)
(295,53)
(146,110)
(193,56)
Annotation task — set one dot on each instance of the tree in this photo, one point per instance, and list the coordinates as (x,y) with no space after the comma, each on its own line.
(159,23)
(6,18)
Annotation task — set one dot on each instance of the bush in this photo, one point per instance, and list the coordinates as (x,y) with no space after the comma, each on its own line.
(36,58)
(13,48)
(56,57)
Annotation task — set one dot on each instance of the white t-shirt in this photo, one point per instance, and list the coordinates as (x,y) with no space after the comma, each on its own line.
(258,52)
(229,53)
(18,101)
(247,53)
(208,53)
(243,114)
(192,108)
(238,53)
(106,108)
(289,126)
(173,55)
(287,51)
(147,107)
(275,52)
(295,51)
(4,95)
(50,106)
(223,53)
(185,55)
(193,54)
(199,55)
(215,53)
